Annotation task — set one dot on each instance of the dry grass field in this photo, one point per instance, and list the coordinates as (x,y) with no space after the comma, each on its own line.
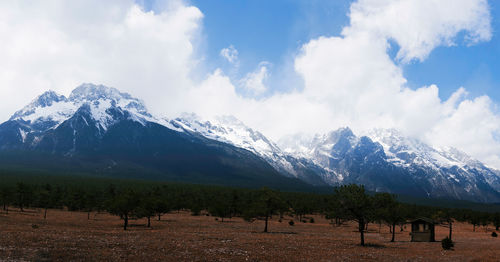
(69,236)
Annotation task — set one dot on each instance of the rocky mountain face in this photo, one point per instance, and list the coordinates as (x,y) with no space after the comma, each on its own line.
(101,130)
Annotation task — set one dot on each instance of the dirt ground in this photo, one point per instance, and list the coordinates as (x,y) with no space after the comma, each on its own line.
(69,236)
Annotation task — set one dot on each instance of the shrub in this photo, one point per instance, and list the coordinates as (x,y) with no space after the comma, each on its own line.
(494,234)
(311,220)
(291,223)
(249,219)
(447,243)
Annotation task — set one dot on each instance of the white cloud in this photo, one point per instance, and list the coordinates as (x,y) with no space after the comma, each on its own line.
(230,54)
(473,126)
(254,82)
(58,44)
(419,26)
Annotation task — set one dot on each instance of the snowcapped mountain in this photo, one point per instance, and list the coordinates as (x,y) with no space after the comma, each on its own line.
(445,165)
(386,160)
(89,111)
(404,151)
(228,129)
(101,130)
(49,110)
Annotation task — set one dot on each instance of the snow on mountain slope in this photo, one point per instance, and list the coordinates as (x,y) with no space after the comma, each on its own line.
(299,145)
(49,110)
(387,155)
(447,162)
(47,107)
(322,150)
(405,151)
(230,130)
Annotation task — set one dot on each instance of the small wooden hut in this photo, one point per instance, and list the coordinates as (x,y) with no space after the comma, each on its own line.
(422,230)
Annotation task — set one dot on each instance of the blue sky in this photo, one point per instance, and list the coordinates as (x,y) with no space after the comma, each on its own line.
(268,30)
(475,67)
(273,31)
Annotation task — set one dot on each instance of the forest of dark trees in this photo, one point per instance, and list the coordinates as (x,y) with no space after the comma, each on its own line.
(152,201)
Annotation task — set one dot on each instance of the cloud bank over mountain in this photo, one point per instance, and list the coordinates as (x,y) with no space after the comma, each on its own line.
(59,45)
(348,80)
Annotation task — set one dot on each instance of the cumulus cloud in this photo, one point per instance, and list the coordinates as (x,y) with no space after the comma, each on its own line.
(419,26)
(230,54)
(472,125)
(254,82)
(58,45)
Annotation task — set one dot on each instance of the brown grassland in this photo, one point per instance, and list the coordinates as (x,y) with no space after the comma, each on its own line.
(69,236)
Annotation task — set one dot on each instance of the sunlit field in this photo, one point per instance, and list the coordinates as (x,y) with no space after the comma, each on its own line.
(65,236)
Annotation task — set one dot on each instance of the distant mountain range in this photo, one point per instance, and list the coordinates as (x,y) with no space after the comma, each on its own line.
(100,130)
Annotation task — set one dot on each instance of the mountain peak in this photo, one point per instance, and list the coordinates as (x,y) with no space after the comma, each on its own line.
(230,120)
(333,137)
(50,109)
(48,98)
(92,92)
(345,131)
(44,100)
(89,92)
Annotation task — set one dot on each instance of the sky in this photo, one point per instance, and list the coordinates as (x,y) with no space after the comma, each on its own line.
(428,68)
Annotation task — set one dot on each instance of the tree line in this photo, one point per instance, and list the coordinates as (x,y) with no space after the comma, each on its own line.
(345,203)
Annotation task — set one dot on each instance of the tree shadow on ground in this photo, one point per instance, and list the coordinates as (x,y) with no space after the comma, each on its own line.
(285,233)
(373,245)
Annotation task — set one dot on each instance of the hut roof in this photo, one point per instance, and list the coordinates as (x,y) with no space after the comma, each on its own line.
(424,219)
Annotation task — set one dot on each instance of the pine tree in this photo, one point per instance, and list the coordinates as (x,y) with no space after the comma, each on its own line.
(356,205)
(267,203)
(389,210)
(6,197)
(124,205)
(445,217)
